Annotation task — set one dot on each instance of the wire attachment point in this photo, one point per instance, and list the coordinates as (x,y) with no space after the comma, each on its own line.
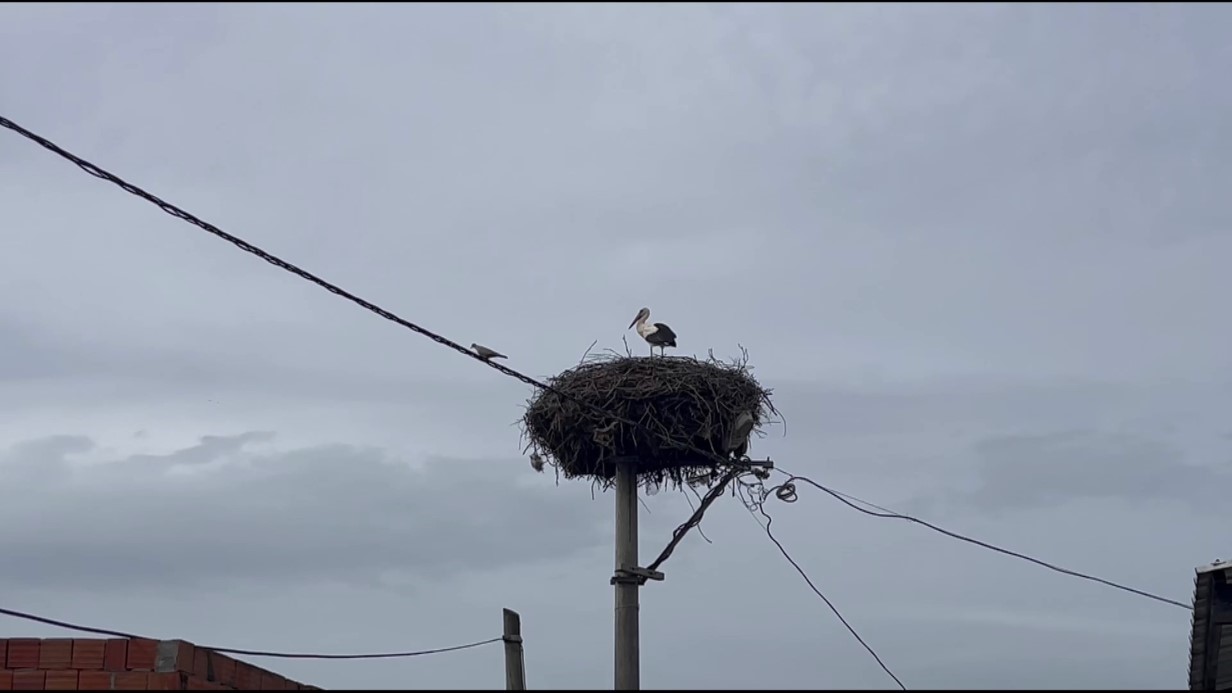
(786,493)
(635,576)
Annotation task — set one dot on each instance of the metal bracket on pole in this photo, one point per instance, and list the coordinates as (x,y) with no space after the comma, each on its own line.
(751,464)
(759,468)
(635,576)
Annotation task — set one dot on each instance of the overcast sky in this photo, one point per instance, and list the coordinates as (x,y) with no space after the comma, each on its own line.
(978,251)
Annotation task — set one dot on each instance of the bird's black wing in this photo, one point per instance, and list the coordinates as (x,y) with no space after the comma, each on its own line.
(663,333)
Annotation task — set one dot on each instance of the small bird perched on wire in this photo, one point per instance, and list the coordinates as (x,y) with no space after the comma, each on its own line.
(487,354)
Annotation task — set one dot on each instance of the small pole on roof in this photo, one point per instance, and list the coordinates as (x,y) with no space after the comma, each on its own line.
(515,662)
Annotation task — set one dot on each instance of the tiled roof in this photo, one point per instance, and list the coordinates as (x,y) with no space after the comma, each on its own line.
(123,664)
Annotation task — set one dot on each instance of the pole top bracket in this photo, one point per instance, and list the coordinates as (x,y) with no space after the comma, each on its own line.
(635,576)
(759,468)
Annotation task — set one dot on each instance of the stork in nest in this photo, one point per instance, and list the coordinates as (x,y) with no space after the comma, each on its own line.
(656,334)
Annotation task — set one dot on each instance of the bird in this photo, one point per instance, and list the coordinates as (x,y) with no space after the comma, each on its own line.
(738,438)
(656,334)
(487,354)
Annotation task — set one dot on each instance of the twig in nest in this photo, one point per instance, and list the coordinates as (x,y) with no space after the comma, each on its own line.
(587,352)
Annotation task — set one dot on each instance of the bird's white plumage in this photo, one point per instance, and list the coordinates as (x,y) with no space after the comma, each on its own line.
(738,438)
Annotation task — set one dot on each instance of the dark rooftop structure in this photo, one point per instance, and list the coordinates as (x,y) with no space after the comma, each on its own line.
(1210,643)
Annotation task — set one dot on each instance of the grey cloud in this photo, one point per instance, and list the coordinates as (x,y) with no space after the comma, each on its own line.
(143,371)
(945,417)
(209,449)
(37,461)
(334,512)
(28,353)
(1042,470)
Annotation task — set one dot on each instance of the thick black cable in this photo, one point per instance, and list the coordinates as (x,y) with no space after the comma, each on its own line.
(694,519)
(71,626)
(677,535)
(232,650)
(824,598)
(101,173)
(983,544)
(379,655)
(179,213)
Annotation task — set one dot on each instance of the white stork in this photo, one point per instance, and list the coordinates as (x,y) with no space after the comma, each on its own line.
(656,334)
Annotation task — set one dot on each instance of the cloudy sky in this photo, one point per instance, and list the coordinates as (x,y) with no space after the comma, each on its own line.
(977,251)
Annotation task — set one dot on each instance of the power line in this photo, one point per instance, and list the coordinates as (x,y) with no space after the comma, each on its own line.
(824,598)
(179,213)
(99,172)
(693,508)
(251,653)
(69,626)
(843,498)
(379,655)
(694,519)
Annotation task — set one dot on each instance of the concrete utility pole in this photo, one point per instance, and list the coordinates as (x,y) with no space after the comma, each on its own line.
(629,576)
(628,663)
(515,663)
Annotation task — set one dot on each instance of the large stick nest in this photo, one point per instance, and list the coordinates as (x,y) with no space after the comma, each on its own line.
(684,399)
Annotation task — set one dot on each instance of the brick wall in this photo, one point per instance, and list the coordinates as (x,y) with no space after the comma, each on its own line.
(66,664)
